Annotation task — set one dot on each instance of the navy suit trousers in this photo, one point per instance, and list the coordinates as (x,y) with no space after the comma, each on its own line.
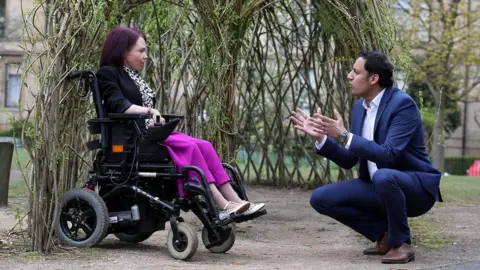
(374,207)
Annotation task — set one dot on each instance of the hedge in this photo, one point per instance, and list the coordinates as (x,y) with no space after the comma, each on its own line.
(459,165)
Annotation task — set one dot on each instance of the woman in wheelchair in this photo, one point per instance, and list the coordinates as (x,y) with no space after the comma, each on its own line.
(124,91)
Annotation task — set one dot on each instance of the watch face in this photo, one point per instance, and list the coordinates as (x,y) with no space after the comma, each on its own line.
(343,137)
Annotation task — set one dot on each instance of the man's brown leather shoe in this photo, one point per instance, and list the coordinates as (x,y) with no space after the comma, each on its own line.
(380,249)
(403,254)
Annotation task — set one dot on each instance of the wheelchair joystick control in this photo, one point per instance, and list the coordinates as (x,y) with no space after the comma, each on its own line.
(135,213)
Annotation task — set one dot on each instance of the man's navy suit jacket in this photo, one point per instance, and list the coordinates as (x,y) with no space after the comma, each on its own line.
(398,142)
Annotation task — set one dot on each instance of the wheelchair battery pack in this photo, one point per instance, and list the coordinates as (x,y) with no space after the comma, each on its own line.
(122,217)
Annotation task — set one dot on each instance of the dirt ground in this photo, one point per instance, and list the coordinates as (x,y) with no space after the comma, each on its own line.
(292,235)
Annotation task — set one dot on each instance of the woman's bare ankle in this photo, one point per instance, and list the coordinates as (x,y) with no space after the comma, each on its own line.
(230,205)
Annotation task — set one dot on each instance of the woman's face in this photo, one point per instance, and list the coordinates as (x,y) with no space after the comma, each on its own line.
(137,55)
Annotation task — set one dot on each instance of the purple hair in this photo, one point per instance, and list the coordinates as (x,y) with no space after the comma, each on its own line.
(117,43)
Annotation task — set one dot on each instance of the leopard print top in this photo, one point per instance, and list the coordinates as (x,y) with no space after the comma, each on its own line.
(147,93)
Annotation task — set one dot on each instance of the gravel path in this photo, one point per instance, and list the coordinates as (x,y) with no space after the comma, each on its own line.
(290,236)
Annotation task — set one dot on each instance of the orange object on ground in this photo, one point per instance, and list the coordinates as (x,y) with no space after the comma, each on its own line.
(474,170)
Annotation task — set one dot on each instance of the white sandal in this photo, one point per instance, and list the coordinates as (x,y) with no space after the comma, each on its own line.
(254,207)
(241,208)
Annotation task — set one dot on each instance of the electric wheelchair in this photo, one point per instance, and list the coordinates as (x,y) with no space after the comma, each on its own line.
(132,189)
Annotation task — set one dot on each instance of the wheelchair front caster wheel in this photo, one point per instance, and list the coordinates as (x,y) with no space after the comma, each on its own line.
(186,246)
(82,220)
(227,239)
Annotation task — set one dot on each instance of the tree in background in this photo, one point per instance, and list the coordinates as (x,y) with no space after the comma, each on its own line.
(442,35)
(425,100)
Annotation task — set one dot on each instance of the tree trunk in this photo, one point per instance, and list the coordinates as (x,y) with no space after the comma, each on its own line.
(438,148)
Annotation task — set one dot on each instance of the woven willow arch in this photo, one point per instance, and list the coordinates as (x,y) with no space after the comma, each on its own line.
(234,68)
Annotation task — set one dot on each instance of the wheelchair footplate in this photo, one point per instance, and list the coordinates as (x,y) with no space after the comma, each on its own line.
(242,218)
(239,218)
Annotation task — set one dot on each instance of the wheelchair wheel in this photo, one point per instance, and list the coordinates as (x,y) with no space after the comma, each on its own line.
(83,218)
(187,245)
(133,237)
(227,236)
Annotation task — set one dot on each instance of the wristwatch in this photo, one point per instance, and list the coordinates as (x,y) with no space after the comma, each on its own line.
(343,137)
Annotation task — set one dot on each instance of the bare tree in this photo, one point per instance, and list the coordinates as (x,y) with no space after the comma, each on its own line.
(441,34)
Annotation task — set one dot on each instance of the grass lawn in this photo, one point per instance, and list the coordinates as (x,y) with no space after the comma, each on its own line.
(17,189)
(458,190)
(464,190)
(17,186)
(21,159)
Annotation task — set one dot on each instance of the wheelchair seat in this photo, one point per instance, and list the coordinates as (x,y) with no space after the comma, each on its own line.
(149,148)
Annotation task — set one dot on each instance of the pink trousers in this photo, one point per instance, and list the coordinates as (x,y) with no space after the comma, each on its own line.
(189,151)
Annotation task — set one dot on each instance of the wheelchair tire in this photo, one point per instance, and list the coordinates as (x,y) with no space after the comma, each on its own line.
(227,236)
(84,210)
(188,244)
(133,237)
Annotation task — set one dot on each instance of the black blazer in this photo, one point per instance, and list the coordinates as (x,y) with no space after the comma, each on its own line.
(118,90)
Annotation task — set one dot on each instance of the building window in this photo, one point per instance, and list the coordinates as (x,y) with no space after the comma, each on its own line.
(13,81)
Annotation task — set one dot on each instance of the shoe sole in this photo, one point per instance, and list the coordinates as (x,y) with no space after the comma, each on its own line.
(374,253)
(389,261)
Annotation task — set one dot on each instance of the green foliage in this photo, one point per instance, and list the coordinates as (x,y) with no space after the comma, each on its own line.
(425,100)
(362,25)
(16,129)
(440,35)
(459,165)
(222,33)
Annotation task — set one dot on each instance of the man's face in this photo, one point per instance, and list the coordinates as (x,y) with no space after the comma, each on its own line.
(360,82)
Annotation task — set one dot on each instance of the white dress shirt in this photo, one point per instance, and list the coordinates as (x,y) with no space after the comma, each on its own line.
(367,129)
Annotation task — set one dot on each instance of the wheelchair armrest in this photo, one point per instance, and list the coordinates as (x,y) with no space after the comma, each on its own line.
(172,116)
(80,74)
(126,116)
(100,120)
(159,133)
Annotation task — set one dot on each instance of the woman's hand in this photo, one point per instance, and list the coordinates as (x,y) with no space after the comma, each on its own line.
(156,114)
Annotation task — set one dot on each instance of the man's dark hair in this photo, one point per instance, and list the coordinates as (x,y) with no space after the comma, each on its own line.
(377,63)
